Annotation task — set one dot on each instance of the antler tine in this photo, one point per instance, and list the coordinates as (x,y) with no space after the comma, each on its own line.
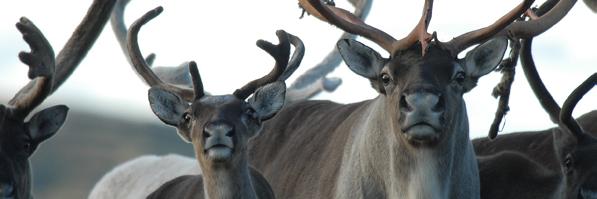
(41,69)
(82,39)
(530,70)
(468,39)
(333,58)
(197,83)
(141,66)
(297,56)
(527,29)
(348,22)
(280,53)
(67,60)
(566,118)
(419,33)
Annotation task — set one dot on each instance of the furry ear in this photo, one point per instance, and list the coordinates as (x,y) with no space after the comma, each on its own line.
(483,59)
(361,59)
(268,100)
(46,123)
(169,108)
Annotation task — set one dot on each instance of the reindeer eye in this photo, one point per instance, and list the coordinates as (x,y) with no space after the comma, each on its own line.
(385,79)
(27,146)
(250,112)
(459,77)
(568,163)
(186,118)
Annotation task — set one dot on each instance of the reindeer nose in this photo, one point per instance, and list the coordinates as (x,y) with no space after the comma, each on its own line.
(423,102)
(218,129)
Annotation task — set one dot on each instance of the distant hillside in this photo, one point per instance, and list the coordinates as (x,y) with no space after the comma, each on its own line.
(88,145)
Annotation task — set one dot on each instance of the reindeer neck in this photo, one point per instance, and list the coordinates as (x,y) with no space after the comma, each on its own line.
(376,158)
(231,181)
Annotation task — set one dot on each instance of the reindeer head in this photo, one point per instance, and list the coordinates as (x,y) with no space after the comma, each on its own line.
(422,82)
(19,139)
(218,126)
(575,148)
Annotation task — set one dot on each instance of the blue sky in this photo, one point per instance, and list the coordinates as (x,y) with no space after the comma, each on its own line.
(220,36)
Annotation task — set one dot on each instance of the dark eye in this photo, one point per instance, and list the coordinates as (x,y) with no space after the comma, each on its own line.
(27,146)
(385,79)
(459,77)
(250,112)
(186,118)
(568,163)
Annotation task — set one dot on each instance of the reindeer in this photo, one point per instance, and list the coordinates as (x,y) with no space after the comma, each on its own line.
(538,172)
(219,127)
(20,139)
(224,110)
(132,173)
(409,142)
(512,174)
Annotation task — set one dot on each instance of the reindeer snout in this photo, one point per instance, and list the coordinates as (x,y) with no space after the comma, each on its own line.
(218,134)
(421,114)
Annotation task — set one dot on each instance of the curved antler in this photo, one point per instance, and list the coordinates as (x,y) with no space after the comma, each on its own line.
(566,119)
(297,56)
(332,59)
(50,72)
(468,39)
(82,39)
(348,22)
(139,63)
(280,53)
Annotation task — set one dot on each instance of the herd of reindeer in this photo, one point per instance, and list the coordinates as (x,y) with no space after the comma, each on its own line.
(265,140)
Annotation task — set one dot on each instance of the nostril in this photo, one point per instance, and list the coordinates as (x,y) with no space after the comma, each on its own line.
(404,106)
(440,105)
(206,134)
(230,133)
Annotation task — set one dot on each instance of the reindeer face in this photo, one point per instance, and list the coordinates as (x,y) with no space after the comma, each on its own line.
(218,126)
(18,141)
(422,95)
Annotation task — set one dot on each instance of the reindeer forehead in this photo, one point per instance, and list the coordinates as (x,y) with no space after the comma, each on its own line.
(221,105)
(436,65)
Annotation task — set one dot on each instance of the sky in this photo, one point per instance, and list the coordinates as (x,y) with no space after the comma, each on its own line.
(220,36)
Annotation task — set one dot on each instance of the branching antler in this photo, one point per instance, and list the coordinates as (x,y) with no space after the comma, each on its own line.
(314,80)
(48,73)
(349,23)
(280,53)
(41,69)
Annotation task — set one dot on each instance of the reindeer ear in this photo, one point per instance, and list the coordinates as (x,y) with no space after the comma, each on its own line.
(485,57)
(361,59)
(46,123)
(169,108)
(268,100)
(482,60)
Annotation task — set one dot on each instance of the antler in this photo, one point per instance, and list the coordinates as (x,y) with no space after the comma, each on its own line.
(41,69)
(468,39)
(297,56)
(566,119)
(280,53)
(349,23)
(332,59)
(142,67)
(48,73)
